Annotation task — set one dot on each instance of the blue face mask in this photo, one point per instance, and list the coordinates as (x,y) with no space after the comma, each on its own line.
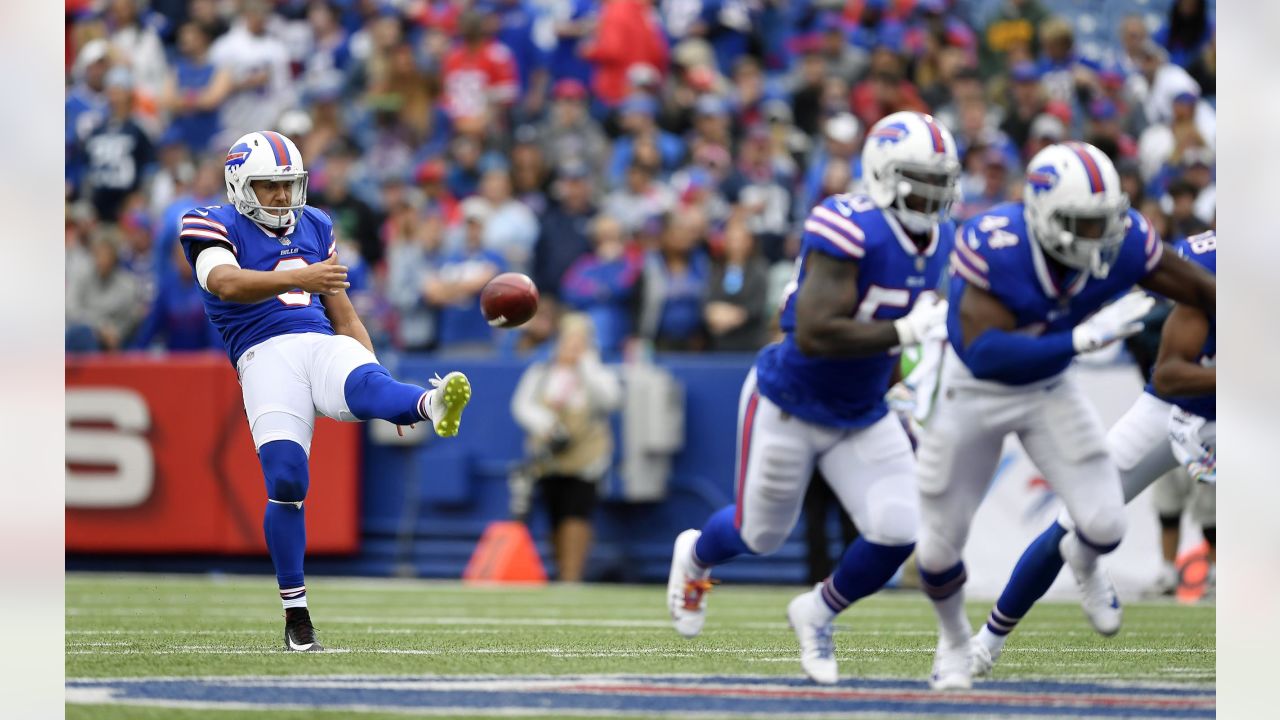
(732,283)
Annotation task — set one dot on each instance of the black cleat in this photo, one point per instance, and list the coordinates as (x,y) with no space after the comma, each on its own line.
(299,633)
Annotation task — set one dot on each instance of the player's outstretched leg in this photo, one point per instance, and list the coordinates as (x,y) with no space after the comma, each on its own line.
(284,465)
(371,393)
(864,568)
(695,553)
(1032,576)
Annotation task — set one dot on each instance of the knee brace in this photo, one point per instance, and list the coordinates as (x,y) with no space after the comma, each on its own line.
(284,466)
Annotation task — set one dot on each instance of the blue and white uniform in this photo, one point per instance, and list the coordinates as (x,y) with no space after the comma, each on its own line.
(797,410)
(284,349)
(1035,399)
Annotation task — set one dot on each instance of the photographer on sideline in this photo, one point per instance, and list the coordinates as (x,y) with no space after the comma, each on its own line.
(563,405)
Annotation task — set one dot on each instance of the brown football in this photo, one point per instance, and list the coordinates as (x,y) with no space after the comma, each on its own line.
(509,300)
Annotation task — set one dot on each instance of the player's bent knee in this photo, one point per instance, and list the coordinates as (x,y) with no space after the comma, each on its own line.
(1103,532)
(894,524)
(284,466)
(935,554)
(765,542)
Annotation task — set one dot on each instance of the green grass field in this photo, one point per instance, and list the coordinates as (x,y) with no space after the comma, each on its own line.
(188,626)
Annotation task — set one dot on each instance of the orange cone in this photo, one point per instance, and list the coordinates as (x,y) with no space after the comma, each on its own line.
(505,554)
(1193,573)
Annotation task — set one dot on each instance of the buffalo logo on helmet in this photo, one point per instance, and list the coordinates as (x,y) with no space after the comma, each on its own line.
(237,155)
(1043,178)
(890,134)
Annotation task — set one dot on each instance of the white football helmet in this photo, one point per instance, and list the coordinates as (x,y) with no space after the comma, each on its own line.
(265,155)
(910,167)
(1074,206)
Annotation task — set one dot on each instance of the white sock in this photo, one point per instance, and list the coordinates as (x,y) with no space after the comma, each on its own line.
(294,597)
(992,641)
(693,568)
(1082,558)
(424,405)
(953,624)
(821,610)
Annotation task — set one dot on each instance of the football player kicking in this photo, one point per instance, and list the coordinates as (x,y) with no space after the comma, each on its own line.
(1027,277)
(1140,444)
(864,288)
(272,286)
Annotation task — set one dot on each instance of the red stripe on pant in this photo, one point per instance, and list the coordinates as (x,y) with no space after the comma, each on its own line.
(748,420)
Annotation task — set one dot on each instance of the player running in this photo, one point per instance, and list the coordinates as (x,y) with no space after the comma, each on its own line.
(864,288)
(1139,443)
(272,286)
(1026,277)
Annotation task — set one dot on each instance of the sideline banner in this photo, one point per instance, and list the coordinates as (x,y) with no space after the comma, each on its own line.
(159,459)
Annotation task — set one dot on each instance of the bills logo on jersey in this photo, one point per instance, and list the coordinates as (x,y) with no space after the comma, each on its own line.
(889,134)
(237,155)
(1043,178)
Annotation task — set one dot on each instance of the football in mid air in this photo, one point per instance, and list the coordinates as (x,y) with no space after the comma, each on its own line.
(509,300)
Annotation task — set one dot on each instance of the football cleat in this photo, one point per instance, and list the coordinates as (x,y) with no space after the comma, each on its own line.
(687,587)
(1101,604)
(982,657)
(952,668)
(446,402)
(299,633)
(817,646)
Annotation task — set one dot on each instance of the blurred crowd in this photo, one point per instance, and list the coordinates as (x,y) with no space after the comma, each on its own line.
(647,163)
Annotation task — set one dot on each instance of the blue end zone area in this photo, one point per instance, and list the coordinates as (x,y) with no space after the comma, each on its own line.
(651,695)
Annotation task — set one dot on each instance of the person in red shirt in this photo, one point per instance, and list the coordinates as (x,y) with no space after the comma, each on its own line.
(479,77)
(627,34)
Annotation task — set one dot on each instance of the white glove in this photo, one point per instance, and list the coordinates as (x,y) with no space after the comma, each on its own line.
(1116,321)
(929,312)
(1192,447)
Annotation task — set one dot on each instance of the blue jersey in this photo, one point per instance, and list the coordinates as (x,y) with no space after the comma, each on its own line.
(892,274)
(243,325)
(1203,250)
(995,252)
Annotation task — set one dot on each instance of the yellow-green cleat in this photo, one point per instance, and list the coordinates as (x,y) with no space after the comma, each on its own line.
(447,401)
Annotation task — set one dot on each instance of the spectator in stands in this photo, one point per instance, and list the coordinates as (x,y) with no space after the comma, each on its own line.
(673,283)
(529,172)
(637,122)
(139,47)
(412,287)
(176,320)
(1197,171)
(747,96)
(563,235)
(102,304)
(456,284)
(573,20)
(1103,131)
(350,214)
(1046,130)
(886,90)
(463,179)
(760,188)
(711,123)
(258,65)
(85,108)
(118,153)
(840,146)
(805,84)
(602,282)
(1025,102)
(1063,72)
(1186,31)
(480,77)
(1183,222)
(194,90)
(1203,68)
(1010,36)
(734,309)
(985,183)
(626,34)
(398,85)
(569,132)
(511,229)
(640,198)
(563,405)
(436,198)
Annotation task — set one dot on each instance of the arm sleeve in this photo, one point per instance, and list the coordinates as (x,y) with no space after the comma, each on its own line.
(1004,356)
(210,257)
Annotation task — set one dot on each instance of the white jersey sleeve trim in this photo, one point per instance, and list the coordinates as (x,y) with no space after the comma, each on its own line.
(210,258)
